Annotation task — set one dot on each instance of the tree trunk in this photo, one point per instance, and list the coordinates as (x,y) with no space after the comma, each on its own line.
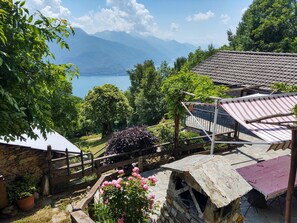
(106,129)
(176,133)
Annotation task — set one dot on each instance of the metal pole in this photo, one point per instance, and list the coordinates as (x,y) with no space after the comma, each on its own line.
(195,118)
(214,127)
(292,177)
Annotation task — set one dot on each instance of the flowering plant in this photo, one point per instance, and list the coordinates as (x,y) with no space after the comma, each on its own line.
(128,199)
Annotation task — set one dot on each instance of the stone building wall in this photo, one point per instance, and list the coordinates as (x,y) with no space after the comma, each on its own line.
(21,161)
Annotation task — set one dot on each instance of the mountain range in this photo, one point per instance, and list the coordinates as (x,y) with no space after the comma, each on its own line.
(113,53)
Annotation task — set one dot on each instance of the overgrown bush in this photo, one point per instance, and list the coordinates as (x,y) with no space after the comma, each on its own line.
(165,133)
(126,199)
(129,140)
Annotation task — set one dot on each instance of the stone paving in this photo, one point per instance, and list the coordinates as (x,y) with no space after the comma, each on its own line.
(243,156)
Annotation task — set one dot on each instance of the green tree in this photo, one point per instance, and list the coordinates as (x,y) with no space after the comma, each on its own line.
(164,70)
(28,80)
(145,94)
(179,62)
(174,89)
(65,110)
(268,26)
(198,56)
(105,105)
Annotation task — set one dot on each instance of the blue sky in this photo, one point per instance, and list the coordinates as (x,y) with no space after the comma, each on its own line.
(199,22)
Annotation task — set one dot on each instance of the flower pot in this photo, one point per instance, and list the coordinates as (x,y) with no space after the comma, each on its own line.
(26,203)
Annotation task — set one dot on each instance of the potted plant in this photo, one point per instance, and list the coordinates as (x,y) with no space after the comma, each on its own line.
(22,192)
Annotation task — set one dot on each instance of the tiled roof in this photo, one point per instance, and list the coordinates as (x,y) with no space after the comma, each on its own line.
(250,68)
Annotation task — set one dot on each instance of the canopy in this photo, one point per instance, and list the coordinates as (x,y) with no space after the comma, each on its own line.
(57,142)
(248,108)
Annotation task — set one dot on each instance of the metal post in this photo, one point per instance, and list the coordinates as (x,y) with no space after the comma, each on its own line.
(214,127)
(292,176)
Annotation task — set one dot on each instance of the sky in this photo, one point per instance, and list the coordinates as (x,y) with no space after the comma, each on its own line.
(199,22)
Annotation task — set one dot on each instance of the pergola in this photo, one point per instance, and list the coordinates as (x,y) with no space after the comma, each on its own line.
(269,117)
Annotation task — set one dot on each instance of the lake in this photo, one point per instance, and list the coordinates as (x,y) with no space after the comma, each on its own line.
(83,84)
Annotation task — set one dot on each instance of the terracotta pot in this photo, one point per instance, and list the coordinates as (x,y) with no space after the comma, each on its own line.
(26,203)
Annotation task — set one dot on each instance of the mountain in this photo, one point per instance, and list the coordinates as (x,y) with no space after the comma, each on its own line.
(158,49)
(112,53)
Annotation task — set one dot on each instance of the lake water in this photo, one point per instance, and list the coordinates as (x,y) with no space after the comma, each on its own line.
(83,84)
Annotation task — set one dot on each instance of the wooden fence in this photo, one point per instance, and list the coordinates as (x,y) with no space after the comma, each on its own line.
(77,170)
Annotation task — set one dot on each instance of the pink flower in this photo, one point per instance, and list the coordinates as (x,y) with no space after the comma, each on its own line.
(143,181)
(118,186)
(130,178)
(121,220)
(120,172)
(136,175)
(153,196)
(135,170)
(114,182)
(105,183)
(145,187)
(119,180)
(153,179)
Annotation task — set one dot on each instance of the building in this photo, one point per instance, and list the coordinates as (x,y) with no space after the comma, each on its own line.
(253,72)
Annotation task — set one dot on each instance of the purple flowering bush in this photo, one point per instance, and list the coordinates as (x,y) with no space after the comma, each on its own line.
(128,199)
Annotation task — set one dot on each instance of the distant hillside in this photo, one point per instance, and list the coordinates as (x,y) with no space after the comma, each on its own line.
(112,53)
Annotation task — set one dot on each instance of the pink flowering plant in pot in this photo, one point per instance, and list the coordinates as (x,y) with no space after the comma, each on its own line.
(128,198)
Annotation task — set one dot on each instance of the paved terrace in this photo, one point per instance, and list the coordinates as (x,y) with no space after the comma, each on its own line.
(243,156)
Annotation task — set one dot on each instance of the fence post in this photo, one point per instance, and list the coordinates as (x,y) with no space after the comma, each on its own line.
(67,162)
(82,163)
(92,162)
(49,163)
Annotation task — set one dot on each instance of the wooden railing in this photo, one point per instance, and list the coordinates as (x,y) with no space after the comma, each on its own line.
(63,172)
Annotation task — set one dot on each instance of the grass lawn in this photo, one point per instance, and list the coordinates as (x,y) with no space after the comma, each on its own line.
(92,143)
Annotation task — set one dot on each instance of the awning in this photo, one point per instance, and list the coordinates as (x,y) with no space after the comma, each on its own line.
(249,108)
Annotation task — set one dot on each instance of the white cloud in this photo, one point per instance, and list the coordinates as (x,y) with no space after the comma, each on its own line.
(225,18)
(121,15)
(200,16)
(243,11)
(51,8)
(174,27)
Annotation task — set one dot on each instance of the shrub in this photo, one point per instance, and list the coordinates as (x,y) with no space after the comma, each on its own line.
(21,187)
(126,199)
(165,133)
(129,140)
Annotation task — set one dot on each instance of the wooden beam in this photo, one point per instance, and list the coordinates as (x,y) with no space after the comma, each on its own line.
(292,177)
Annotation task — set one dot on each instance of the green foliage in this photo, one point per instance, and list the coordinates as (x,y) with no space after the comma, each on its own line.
(283,87)
(179,63)
(129,140)
(268,26)
(127,199)
(106,105)
(165,133)
(21,187)
(164,70)
(28,81)
(201,86)
(144,94)
(198,56)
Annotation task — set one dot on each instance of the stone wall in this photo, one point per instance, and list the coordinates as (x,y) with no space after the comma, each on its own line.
(20,161)
(178,209)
